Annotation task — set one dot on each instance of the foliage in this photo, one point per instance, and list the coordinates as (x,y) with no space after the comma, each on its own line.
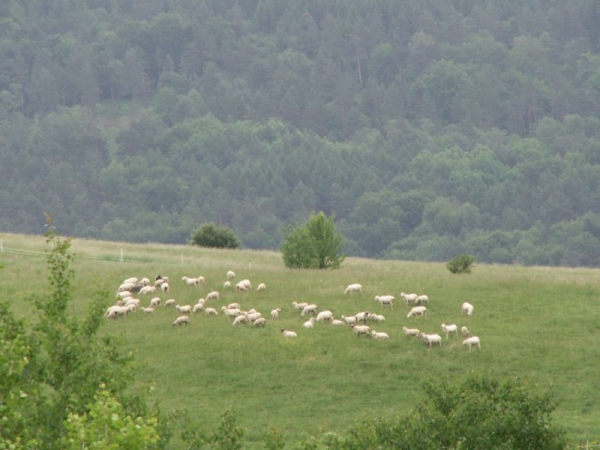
(315,244)
(211,235)
(461,264)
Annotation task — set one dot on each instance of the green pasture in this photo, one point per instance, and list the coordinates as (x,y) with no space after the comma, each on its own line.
(541,324)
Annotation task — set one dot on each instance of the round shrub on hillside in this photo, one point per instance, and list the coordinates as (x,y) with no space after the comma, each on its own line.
(211,235)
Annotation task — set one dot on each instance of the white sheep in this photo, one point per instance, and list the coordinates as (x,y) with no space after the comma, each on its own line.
(227,285)
(147,290)
(349,319)
(417,311)
(123,294)
(362,316)
(431,339)
(211,312)
(408,298)
(132,280)
(289,333)
(170,302)
(214,295)
(473,340)
(260,322)
(183,309)
(379,335)
(310,323)
(230,274)
(299,305)
(336,322)
(385,300)
(125,287)
(376,317)
(198,307)
(242,318)
(309,309)
(275,313)
(147,310)
(465,331)
(230,312)
(353,288)
(261,287)
(164,287)
(253,316)
(422,299)
(361,329)
(181,320)
(191,281)
(411,332)
(449,329)
(155,302)
(467,309)
(324,315)
(245,285)
(144,281)
(234,305)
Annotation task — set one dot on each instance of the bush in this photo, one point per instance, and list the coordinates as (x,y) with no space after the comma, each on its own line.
(461,264)
(211,235)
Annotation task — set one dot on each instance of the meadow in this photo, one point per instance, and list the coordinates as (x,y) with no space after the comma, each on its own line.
(541,324)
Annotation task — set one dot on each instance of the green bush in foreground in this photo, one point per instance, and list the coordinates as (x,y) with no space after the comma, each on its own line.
(461,264)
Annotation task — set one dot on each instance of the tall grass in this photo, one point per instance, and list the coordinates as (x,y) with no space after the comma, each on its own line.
(537,323)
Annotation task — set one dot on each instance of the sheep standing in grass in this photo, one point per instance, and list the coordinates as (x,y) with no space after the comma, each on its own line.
(242,318)
(310,323)
(362,316)
(465,331)
(227,285)
(185,309)
(147,310)
(170,302)
(261,287)
(198,307)
(417,311)
(385,300)
(361,329)
(376,317)
(336,322)
(181,320)
(211,312)
(275,313)
(260,322)
(190,281)
(214,295)
(230,312)
(449,329)
(422,299)
(155,302)
(467,309)
(147,290)
(289,333)
(299,306)
(309,309)
(230,275)
(379,335)
(349,319)
(164,287)
(408,298)
(472,341)
(353,288)
(431,339)
(411,332)
(324,315)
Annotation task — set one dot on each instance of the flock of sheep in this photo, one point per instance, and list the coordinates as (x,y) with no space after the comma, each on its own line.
(361,323)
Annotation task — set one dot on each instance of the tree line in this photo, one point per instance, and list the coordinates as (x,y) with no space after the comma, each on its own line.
(428,130)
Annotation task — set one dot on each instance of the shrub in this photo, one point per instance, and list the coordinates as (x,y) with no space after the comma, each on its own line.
(211,235)
(461,264)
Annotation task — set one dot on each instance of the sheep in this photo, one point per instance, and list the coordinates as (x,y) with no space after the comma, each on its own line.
(148,310)
(240,319)
(230,312)
(385,300)
(275,313)
(361,329)
(310,323)
(211,312)
(324,315)
(417,311)
(261,287)
(132,301)
(164,287)
(465,331)
(467,309)
(309,309)
(234,305)
(353,288)
(473,340)
(147,290)
(362,316)
(379,335)
(299,305)
(132,307)
(227,285)
(422,299)
(411,332)
(123,294)
(245,285)
(449,329)
(431,339)
(230,274)
(170,302)
(336,322)
(185,309)
(125,287)
(214,295)
(113,312)
(260,322)
(240,288)
(132,280)
(198,307)
(408,298)
(155,302)
(253,316)
(181,320)
(144,282)
(349,319)
(191,281)
(288,333)
(376,317)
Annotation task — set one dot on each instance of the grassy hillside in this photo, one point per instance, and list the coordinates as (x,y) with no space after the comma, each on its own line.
(536,323)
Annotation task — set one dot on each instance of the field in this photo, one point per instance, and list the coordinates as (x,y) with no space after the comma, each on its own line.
(541,324)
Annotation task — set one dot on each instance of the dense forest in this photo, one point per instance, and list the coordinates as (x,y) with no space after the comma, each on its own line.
(427,128)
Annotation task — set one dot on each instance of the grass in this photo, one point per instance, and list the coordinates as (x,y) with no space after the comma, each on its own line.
(534,322)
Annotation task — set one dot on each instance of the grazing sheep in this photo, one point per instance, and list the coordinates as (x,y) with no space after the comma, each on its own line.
(144,281)
(170,302)
(379,335)
(465,331)
(181,320)
(275,313)
(431,339)
(198,307)
(411,332)
(422,299)
(261,287)
(185,309)
(253,316)
(240,288)
(260,322)
(147,290)
(245,284)
(376,317)
(155,302)
(467,309)
(362,316)
(132,280)
(191,281)
(349,319)
(123,294)
(417,311)
(385,300)
(132,301)
(125,287)
(299,305)
(353,288)
(211,312)
(449,329)
(310,323)
(242,318)
(147,310)
(336,322)
(230,312)
(115,311)
(234,305)
(227,285)
(214,295)
(324,315)
(230,275)
(289,333)
(309,309)
(472,341)
(408,298)
(164,287)
(361,329)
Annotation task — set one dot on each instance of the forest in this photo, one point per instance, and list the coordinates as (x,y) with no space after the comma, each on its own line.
(427,129)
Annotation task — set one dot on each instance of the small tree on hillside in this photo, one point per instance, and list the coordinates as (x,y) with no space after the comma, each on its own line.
(315,244)
(211,235)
